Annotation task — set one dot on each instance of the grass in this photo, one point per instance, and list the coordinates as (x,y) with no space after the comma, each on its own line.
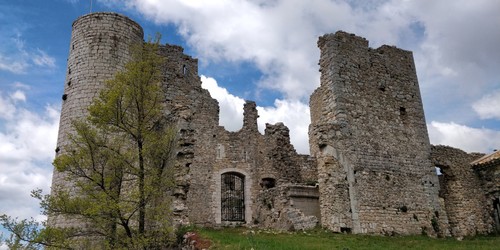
(241,238)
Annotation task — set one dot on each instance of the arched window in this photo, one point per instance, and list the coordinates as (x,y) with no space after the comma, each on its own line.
(232,197)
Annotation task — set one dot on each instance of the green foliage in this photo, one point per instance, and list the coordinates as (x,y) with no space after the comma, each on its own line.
(119,160)
(31,234)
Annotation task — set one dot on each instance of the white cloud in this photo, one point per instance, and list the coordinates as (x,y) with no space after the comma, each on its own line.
(488,106)
(18,58)
(269,34)
(27,142)
(7,108)
(458,54)
(464,137)
(231,107)
(455,50)
(294,114)
(9,64)
(41,59)
(18,95)
(20,85)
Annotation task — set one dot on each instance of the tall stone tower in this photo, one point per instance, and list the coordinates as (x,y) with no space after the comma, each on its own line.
(100,44)
(369,135)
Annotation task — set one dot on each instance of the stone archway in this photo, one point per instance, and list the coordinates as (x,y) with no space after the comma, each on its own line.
(241,182)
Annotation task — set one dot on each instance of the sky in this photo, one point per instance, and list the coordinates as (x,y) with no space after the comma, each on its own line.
(261,50)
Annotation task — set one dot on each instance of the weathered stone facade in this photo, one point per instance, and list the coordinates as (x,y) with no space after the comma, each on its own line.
(460,187)
(369,171)
(369,134)
(487,169)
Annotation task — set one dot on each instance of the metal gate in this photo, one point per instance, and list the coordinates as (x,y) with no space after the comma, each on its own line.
(232,197)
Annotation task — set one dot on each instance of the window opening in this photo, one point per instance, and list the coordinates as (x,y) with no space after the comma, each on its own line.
(268,183)
(402,111)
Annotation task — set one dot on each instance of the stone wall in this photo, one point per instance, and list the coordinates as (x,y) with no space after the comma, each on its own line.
(369,135)
(195,114)
(264,161)
(465,201)
(287,207)
(488,172)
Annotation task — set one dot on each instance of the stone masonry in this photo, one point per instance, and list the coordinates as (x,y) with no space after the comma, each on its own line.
(369,135)
(370,168)
(99,48)
(487,170)
(461,190)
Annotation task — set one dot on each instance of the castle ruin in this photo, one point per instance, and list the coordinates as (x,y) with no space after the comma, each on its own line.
(371,168)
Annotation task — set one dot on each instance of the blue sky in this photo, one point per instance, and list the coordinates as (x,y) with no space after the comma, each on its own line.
(250,49)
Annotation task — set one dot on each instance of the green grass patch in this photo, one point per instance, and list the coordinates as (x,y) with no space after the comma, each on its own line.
(242,238)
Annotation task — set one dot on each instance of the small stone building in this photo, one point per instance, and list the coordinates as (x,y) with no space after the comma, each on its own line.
(370,168)
(487,169)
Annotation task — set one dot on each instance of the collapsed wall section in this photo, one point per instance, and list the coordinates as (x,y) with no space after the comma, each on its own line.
(369,135)
(465,201)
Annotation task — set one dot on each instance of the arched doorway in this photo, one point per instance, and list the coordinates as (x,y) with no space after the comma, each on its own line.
(232,197)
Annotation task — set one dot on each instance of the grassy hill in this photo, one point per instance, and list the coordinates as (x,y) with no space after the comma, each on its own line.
(242,238)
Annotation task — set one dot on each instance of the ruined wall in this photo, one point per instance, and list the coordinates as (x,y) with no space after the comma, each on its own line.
(464,199)
(195,114)
(369,134)
(287,207)
(99,47)
(264,161)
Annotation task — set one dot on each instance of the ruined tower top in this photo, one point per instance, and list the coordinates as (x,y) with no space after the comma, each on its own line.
(368,129)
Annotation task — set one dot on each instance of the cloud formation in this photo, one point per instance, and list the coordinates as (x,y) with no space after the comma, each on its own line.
(488,107)
(19,58)
(455,51)
(27,142)
(464,137)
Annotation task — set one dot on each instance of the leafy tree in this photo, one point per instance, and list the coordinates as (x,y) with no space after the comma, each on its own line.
(119,160)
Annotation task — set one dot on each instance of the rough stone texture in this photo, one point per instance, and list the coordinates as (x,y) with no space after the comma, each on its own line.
(369,134)
(288,207)
(487,169)
(205,150)
(369,170)
(464,199)
(99,47)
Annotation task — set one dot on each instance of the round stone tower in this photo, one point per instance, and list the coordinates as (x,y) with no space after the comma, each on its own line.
(100,44)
